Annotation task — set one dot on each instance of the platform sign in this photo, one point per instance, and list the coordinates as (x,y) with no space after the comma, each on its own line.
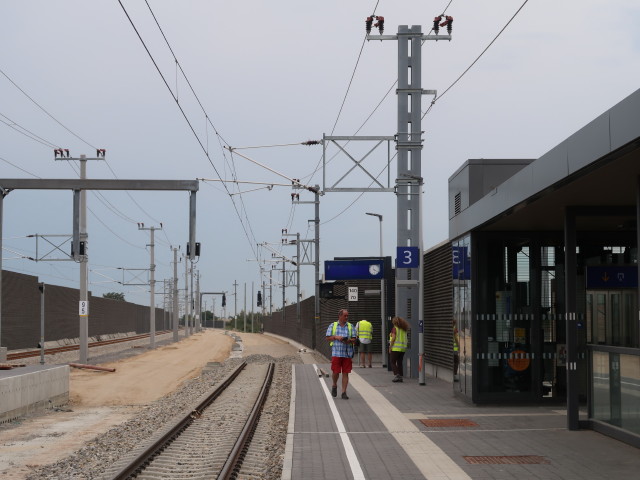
(408,257)
(354,269)
(353,294)
(461,263)
(84,308)
(612,276)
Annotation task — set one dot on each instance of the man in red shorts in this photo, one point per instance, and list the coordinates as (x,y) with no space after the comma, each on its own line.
(341,334)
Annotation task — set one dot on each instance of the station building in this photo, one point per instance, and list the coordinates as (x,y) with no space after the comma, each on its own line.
(545,275)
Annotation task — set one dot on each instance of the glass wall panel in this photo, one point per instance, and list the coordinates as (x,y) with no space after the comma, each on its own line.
(462,262)
(616,390)
(630,393)
(507,337)
(601,408)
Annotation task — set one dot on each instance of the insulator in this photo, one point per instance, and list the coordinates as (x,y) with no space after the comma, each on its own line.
(449,23)
(367,23)
(436,24)
(380,24)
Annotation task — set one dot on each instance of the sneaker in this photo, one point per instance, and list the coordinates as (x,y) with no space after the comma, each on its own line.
(361,366)
(396,379)
(344,396)
(334,391)
(400,379)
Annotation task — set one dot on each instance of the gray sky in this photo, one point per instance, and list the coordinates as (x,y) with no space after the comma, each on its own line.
(272,73)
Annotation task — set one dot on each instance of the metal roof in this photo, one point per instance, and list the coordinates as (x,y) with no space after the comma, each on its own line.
(599,165)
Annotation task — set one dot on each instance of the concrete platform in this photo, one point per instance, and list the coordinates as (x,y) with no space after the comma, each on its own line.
(379,433)
(25,390)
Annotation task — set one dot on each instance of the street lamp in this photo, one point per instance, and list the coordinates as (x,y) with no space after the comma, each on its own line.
(382,310)
(379,218)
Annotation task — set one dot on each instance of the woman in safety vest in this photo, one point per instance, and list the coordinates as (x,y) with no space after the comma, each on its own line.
(397,346)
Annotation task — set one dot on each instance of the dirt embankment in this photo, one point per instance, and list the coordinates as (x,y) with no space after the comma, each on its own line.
(141,379)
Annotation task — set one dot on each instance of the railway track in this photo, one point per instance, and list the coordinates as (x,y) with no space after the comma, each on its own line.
(213,439)
(69,348)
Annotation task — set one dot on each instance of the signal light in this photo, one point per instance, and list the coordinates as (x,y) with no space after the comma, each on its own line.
(83,249)
(259,302)
(224,300)
(197,249)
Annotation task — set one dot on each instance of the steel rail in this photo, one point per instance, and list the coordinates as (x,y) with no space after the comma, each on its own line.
(68,348)
(153,449)
(229,469)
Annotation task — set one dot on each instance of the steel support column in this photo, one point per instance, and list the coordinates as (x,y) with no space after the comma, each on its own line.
(570,263)
(409,184)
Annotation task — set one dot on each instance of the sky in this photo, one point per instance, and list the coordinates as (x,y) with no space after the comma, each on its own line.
(167,88)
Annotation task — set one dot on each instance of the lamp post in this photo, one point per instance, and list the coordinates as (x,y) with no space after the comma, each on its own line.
(382,310)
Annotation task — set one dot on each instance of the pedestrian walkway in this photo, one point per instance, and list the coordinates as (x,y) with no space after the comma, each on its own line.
(408,431)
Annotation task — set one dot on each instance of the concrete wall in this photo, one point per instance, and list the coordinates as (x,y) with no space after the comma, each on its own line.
(21,313)
(30,389)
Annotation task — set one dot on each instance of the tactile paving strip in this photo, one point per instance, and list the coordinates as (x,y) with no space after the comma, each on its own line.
(507,460)
(448,422)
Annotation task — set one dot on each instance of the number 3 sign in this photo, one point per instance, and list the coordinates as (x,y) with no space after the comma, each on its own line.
(408,257)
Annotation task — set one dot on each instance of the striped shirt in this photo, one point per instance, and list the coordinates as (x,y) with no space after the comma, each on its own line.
(340,349)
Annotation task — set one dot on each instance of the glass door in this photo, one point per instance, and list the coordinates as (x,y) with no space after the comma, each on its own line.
(610,317)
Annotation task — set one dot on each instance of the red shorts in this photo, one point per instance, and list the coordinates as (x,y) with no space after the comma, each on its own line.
(341,365)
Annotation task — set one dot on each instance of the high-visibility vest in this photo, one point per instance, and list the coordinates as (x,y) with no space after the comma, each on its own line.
(365,330)
(335,327)
(400,345)
(456,347)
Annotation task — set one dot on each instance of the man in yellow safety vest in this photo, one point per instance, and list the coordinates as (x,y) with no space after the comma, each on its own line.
(342,338)
(364,332)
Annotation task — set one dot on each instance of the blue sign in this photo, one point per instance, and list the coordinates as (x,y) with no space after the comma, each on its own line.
(612,276)
(461,263)
(408,257)
(353,269)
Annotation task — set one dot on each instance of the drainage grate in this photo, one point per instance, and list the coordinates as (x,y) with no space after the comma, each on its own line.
(508,460)
(448,422)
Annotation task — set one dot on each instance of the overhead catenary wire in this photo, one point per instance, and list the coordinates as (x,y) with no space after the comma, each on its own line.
(476,60)
(293,180)
(49,144)
(344,99)
(174,96)
(26,132)
(207,119)
(19,168)
(46,112)
(308,142)
(434,100)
